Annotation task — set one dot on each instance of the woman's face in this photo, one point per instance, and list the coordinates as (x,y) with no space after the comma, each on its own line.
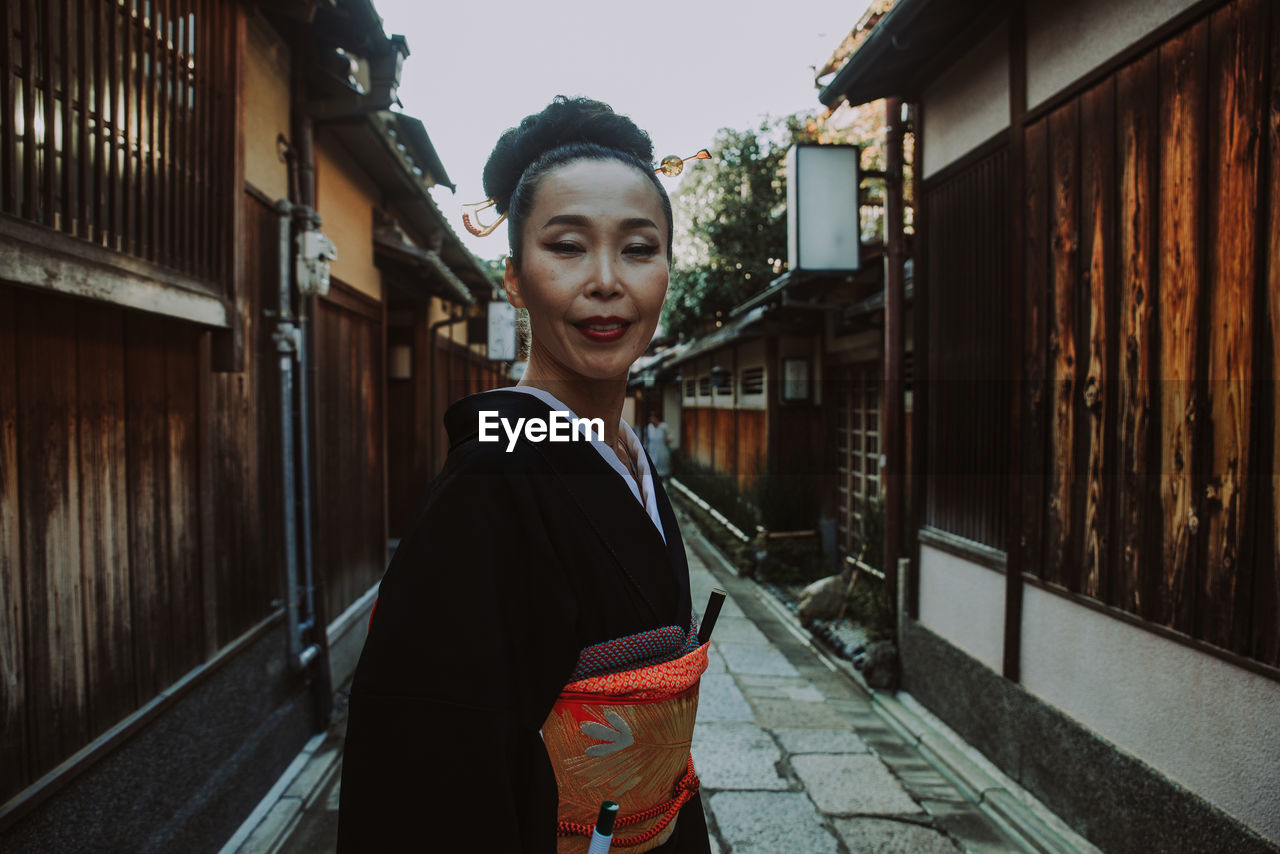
(594,270)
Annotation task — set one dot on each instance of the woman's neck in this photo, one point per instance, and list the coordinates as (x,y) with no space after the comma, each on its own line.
(601,399)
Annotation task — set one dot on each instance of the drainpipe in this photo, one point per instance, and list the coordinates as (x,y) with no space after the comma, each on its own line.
(306,219)
(288,341)
(895,256)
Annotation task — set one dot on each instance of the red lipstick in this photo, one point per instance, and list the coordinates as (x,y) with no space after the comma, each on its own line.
(602,330)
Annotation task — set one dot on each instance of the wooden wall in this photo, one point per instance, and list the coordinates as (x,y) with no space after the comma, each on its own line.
(351,537)
(1154,312)
(733,442)
(968,427)
(136,487)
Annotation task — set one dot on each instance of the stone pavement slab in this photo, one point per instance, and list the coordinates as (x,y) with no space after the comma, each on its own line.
(738,630)
(780,688)
(852,785)
(736,756)
(819,741)
(760,659)
(886,836)
(720,699)
(792,713)
(771,823)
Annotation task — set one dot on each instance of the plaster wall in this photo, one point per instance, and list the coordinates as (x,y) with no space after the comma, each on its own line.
(1204,723)
(968,103)
(266,109)
(1065,41)
(963,603)
(345,198)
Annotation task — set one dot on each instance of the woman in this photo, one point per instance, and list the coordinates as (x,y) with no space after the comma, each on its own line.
(530,556)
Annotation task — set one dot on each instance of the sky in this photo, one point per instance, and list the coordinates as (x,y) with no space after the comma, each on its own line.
(680,70)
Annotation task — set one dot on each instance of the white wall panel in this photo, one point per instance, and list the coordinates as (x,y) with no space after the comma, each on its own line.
(1206,724)
(968,103)
(963,603)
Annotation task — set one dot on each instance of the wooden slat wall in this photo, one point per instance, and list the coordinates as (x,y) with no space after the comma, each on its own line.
(1148,215)
(1064,325)
(135,102)
(1236,109)
(751,446)
(13,682)
(350,538)
(126,560)
(1036,397)
(968,430)
(104,506)
(1181,119)
(48,489)
(101,558)
(1138,532)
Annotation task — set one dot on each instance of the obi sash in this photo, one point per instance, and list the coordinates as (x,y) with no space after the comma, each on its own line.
(621,731)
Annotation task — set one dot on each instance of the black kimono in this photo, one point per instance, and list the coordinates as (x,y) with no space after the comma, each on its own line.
(515,563)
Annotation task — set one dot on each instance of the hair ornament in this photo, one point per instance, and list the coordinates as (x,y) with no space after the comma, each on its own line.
(478,228)
(672,165)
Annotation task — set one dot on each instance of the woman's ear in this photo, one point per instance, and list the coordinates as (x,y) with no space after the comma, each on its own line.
(511,282)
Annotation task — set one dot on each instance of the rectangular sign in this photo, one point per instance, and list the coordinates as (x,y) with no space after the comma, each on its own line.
(502,343)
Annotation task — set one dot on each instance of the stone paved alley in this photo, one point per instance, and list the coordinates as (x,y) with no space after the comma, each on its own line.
(795,755)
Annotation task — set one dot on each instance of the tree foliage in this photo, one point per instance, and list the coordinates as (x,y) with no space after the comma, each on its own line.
(731,212)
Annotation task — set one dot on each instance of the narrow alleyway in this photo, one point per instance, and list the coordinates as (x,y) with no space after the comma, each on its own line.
(793,755)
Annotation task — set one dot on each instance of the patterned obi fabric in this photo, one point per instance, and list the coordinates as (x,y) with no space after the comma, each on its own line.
(621,732)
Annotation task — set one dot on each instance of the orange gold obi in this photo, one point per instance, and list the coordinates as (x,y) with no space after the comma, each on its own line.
(625,737)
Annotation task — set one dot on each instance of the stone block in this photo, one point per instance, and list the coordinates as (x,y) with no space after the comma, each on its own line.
(819,741)
(852,785)
(886,836)
(771,822)
(732,755)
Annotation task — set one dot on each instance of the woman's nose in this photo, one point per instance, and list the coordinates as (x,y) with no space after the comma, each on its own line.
(606,281)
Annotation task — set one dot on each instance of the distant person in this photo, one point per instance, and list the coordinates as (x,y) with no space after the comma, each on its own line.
(533,652)
(657,444)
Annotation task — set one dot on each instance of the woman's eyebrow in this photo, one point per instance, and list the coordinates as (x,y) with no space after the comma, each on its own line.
(566,219)
(582,221)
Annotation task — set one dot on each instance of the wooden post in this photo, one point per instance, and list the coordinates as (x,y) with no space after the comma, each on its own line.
(891,438)
(1018,285)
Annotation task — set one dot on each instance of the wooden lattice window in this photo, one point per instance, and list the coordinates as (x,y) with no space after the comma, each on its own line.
(857,451)
(118,125)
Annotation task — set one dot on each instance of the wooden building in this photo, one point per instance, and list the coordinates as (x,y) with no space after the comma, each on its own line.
(790,384)
(189,532)
(1094,592)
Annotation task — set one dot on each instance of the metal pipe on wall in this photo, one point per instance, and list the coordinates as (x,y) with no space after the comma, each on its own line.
(288,339)
(895,257)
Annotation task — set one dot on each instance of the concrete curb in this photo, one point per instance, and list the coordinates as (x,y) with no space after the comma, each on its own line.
(278,813)
(1014,809)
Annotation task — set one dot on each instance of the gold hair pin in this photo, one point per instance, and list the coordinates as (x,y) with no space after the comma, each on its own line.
(478,228)
(671,165)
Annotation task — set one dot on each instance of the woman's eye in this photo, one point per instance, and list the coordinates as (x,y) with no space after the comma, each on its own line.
(643,250)
(563,247)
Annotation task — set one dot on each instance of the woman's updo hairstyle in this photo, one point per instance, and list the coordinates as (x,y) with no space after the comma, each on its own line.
(569,129)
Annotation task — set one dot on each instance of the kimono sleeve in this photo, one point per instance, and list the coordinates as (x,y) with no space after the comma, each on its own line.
(468,648)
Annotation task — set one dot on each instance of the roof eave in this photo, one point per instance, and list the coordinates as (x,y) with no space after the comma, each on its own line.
(911,44)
